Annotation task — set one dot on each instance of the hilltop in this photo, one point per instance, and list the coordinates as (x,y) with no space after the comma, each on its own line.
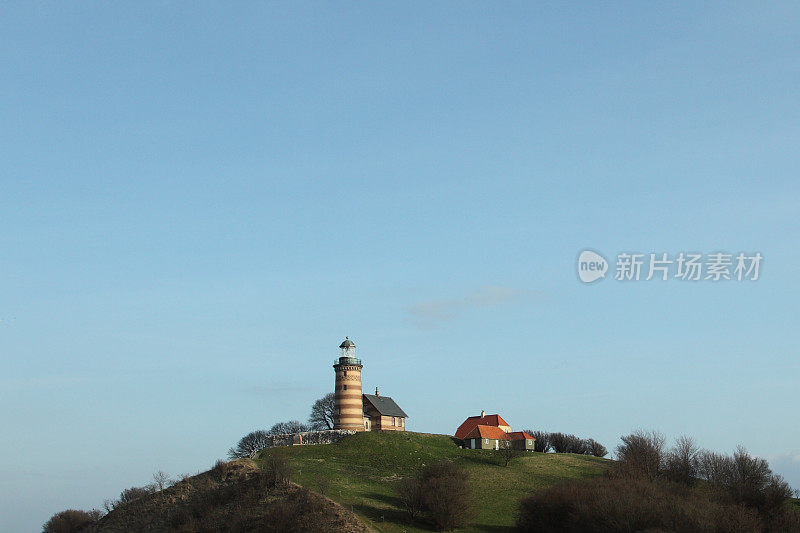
(234,496)
(360,472)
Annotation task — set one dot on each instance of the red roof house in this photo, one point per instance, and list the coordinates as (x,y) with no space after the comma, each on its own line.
(483,420)
(492,432)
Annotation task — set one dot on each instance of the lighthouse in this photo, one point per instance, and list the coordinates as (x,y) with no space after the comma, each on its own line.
(348,403)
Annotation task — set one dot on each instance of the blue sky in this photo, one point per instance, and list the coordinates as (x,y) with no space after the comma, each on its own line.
(199,202)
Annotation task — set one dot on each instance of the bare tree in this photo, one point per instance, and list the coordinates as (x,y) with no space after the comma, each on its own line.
(746,479)
(641,454)
(162,480)
(563,443)
(713,467)
(559,442)
(595,448)
(283,428)
(249,445)
(508,452)
(542,442)
(681,463)
(576,445)
(322,412)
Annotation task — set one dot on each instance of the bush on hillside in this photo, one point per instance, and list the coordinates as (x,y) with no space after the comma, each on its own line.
(278,470)
(641,454)
(744,479)
(595,448)
(607,505)
(409,491)
(681,463)
(736,480)
(129,495)
(69,521)
(566,443)
(300,512)
(440,492)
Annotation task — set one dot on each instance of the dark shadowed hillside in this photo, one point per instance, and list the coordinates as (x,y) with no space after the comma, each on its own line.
(235,496)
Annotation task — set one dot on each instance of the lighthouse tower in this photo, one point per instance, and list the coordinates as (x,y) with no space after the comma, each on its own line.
(349,406)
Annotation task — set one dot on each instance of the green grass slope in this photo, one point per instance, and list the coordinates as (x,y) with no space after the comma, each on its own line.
(361,472)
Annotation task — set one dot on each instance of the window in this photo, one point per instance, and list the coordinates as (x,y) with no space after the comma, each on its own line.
(486,441)
(345,387)
(393,421)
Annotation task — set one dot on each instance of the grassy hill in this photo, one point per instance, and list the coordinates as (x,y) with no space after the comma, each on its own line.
(362,469)
(232,496)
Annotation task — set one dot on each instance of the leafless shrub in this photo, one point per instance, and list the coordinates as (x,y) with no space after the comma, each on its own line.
(279,470)
(68,521)
(641,454)
(300,512)
(409,490)
(441,493)
(162,480)
(681,463)
(220,469)
(630,504)
(134,493)
(746,479)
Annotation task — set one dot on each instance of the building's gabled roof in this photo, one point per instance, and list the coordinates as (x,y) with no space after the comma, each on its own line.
(470,423)
(385,405)
(486,432)
(516,435)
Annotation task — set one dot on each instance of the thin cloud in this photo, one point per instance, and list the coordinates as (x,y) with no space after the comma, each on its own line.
(435,312)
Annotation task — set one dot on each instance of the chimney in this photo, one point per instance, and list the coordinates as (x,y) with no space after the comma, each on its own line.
(376,392)
(483,414)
